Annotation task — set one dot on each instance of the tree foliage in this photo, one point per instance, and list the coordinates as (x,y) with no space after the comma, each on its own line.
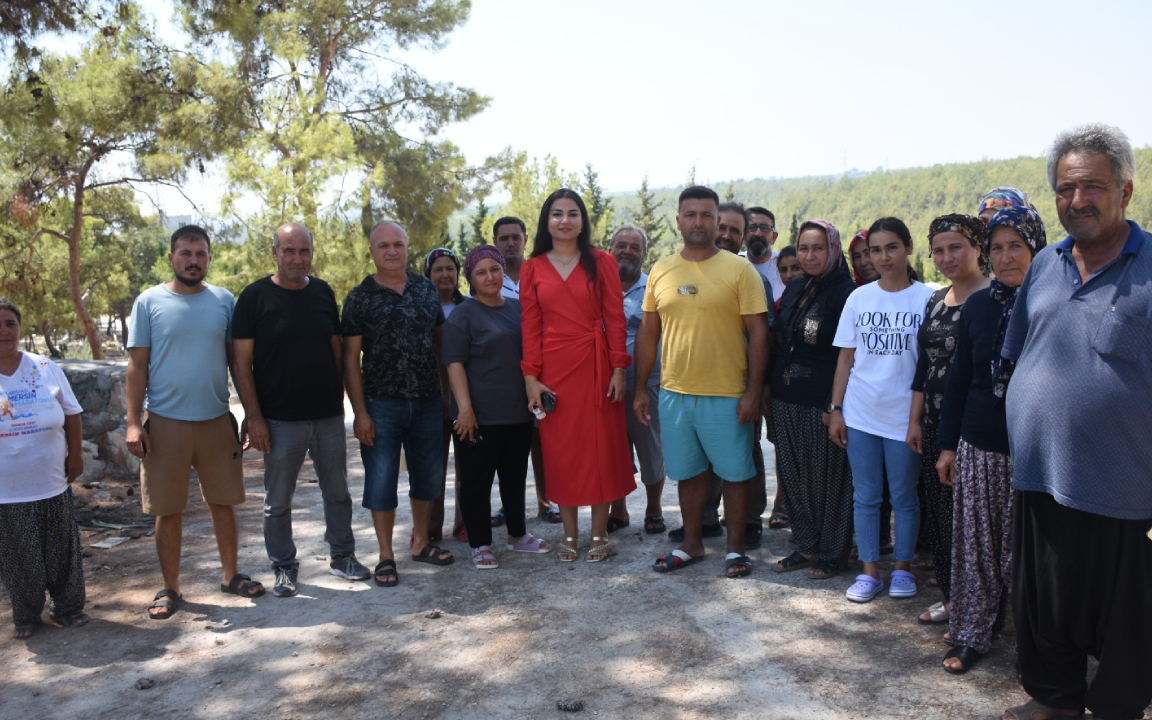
(600,213)
(650,217)
(123,111)
(323,105)
(530,182)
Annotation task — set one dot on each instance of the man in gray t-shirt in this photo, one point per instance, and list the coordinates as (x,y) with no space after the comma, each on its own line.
(179,353)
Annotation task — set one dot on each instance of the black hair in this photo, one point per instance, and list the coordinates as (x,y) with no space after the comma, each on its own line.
(543,240)
(787,251)
(507,220)
(698,192)
(762,211)
(188,232)
(734,207)
(897,227)
(6,304)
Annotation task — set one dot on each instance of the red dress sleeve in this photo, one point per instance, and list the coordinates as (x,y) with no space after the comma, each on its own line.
(612,309)
(531,322)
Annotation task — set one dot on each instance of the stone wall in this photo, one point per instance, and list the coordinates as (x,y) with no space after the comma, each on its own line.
(99,387)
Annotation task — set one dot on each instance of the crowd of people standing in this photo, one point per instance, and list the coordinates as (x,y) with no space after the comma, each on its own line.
(998,414)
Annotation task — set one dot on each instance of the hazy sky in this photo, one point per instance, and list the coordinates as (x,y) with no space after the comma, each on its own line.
(746,89)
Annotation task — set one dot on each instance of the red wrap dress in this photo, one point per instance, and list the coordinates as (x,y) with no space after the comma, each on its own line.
(585,440)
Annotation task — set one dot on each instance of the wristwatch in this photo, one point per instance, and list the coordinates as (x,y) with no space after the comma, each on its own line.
(833,408)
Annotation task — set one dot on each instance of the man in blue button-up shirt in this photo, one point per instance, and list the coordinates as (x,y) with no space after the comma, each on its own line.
(629,245)
(1077,407)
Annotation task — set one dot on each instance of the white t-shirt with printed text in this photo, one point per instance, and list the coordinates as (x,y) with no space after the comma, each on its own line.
(882,327)
(33,403)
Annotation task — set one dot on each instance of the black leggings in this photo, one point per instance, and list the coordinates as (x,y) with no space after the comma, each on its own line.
(504,449)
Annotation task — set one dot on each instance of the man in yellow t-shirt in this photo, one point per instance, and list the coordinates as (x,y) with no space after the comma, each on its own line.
(709,310)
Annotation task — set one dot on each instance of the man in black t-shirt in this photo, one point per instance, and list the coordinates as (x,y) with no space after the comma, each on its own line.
(286,334)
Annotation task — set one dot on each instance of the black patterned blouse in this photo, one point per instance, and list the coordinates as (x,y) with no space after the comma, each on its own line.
(399,337)
(937,339)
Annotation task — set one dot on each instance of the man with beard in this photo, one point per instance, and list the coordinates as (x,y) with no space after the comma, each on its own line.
(709,310)
(730,238)
(629,245)
(286,331)
(1082,463)
(509,236)
(760,236)
(179,354)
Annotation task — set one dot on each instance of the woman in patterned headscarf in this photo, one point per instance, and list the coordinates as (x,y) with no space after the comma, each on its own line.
(442,267)
(974,453)
(863,271)
(813,471)
(956,242)
(1001,197)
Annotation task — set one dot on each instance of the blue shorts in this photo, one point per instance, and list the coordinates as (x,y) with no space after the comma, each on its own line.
(416,426)
(701,430)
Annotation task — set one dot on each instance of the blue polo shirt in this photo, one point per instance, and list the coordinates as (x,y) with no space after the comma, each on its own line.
(1077,404)
(633,314)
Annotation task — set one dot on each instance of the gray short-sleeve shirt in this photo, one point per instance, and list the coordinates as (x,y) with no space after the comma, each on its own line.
(487,341)
(1078,400)
(188,336)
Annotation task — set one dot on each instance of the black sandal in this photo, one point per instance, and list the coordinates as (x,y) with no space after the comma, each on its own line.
(822,570)
(795,561)
(615,524)
(166,600)
(654,525)
(967,657)
(242,585)
(72,618)
(778,520)
(386,569)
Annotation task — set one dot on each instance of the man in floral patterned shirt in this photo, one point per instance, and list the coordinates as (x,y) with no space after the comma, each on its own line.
(394,317)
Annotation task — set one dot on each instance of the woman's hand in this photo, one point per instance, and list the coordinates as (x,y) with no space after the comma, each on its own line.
(837,430)
(534,388)
(946,467)
(915,439)
(618,385)
(465,424)
(73,466)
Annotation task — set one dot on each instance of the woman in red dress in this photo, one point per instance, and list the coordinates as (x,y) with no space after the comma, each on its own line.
(572,317)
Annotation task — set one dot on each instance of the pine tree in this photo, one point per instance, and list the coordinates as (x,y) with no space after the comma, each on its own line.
(478,221)
(599,207)
(649,219)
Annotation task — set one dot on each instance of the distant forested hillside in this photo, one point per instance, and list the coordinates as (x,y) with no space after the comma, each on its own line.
(916,196)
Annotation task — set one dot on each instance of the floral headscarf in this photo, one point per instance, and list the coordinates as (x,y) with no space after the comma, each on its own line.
(969,226)
(436,255)
(834,264)
(1027,222)
(860,237)
(1002,197)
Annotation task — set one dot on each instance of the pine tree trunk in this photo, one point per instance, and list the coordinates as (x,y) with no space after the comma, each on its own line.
(90,329)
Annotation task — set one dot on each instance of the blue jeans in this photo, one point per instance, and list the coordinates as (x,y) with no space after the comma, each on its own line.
(869,455)
(414,425)
(325,441)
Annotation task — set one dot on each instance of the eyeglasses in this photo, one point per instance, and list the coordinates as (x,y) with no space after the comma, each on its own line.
(763,227)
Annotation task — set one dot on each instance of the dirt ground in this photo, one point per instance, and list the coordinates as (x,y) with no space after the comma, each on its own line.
(457,643)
